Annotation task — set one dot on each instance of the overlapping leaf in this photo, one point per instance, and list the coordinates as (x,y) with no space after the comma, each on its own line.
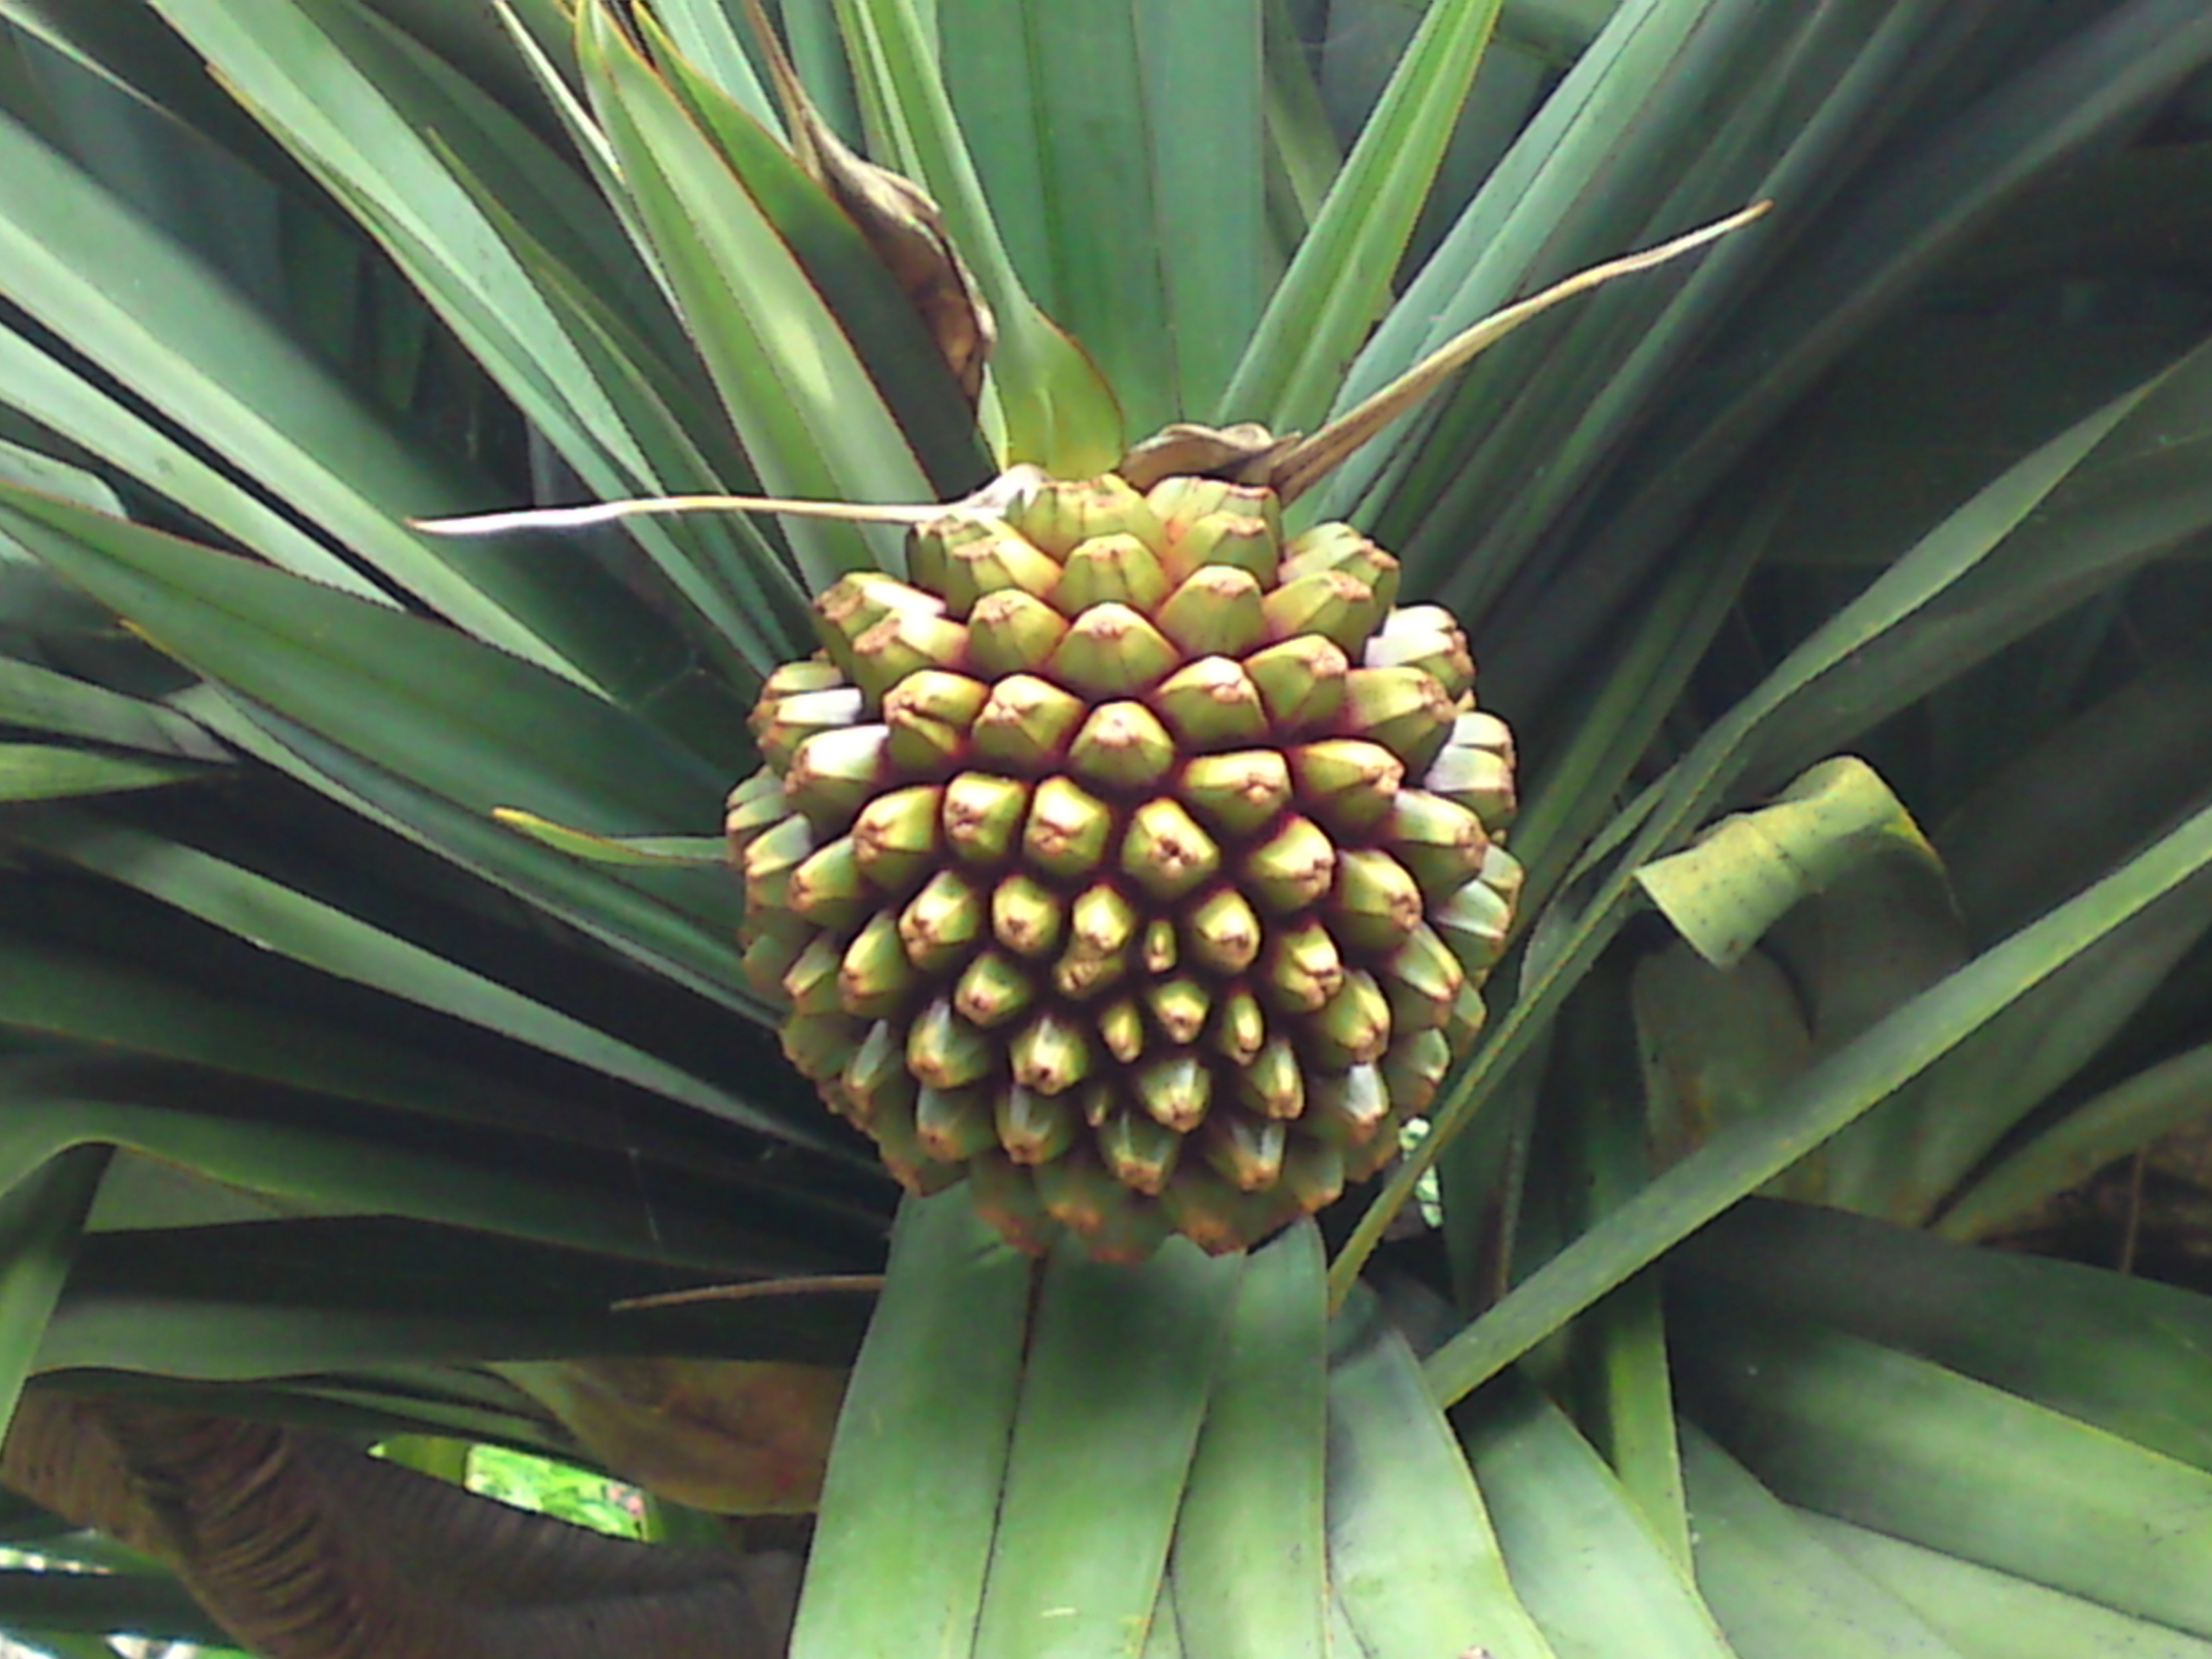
(594,205)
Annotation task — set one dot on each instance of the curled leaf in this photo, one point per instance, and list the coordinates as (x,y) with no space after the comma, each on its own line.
(1245,453)
(1727,889)
(731,1436)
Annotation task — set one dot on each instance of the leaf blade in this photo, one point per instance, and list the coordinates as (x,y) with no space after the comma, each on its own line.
(929,1415)
(1816,1105)
(1414,1562)
(1121,1364)
(1251,1530)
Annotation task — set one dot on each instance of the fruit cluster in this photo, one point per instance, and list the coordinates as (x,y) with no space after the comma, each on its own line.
(1128,859)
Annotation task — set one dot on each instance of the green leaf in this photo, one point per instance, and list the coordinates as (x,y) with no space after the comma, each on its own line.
(928,1423)
(1986,1615)
(723,567)
(1121,1364)
(815,425)
(1204,96)
(1164,1633)
(2108,1125)
(2087,792)
(2122,1352)
(361,103)
(1624,1400)
(149,65)
(879,318)
(707,32)
(1719,1045)
(1294,368)
(460,721)
(810,28)
(1722,1043)
(1614,726)
(1837,1424)
(2140,496)
(464,720)
(380,1305)
(196,352)
(1053,406)
(105,1005)
(1813,1107)
(1873,942)
(42,1210)
(1677,112)
(1901,602)
(1411,1557)
(199,352)
(1301,152)
(73,407)
(48,1114)
(414,152)
(698,558)
(1889,232)
(1903,1161)
(1778,1589)
(2054,106)
(989,67)
(35,771)
(1724,891)
(1561,29)
(40,700)
(1121,147)
(691,943)
(1250,1539)
(22,1522)
(1580,1555)
(320,936)
(50,476)
(1063,138)
(428,1454)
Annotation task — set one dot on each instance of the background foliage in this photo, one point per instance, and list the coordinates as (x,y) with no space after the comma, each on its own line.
(329,1096)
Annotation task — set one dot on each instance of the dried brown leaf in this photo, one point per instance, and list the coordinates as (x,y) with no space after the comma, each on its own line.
(1245,453)
(899,222)
(304,1547)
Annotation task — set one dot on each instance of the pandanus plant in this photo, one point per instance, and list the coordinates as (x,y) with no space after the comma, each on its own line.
(1124,824)
(976,428)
